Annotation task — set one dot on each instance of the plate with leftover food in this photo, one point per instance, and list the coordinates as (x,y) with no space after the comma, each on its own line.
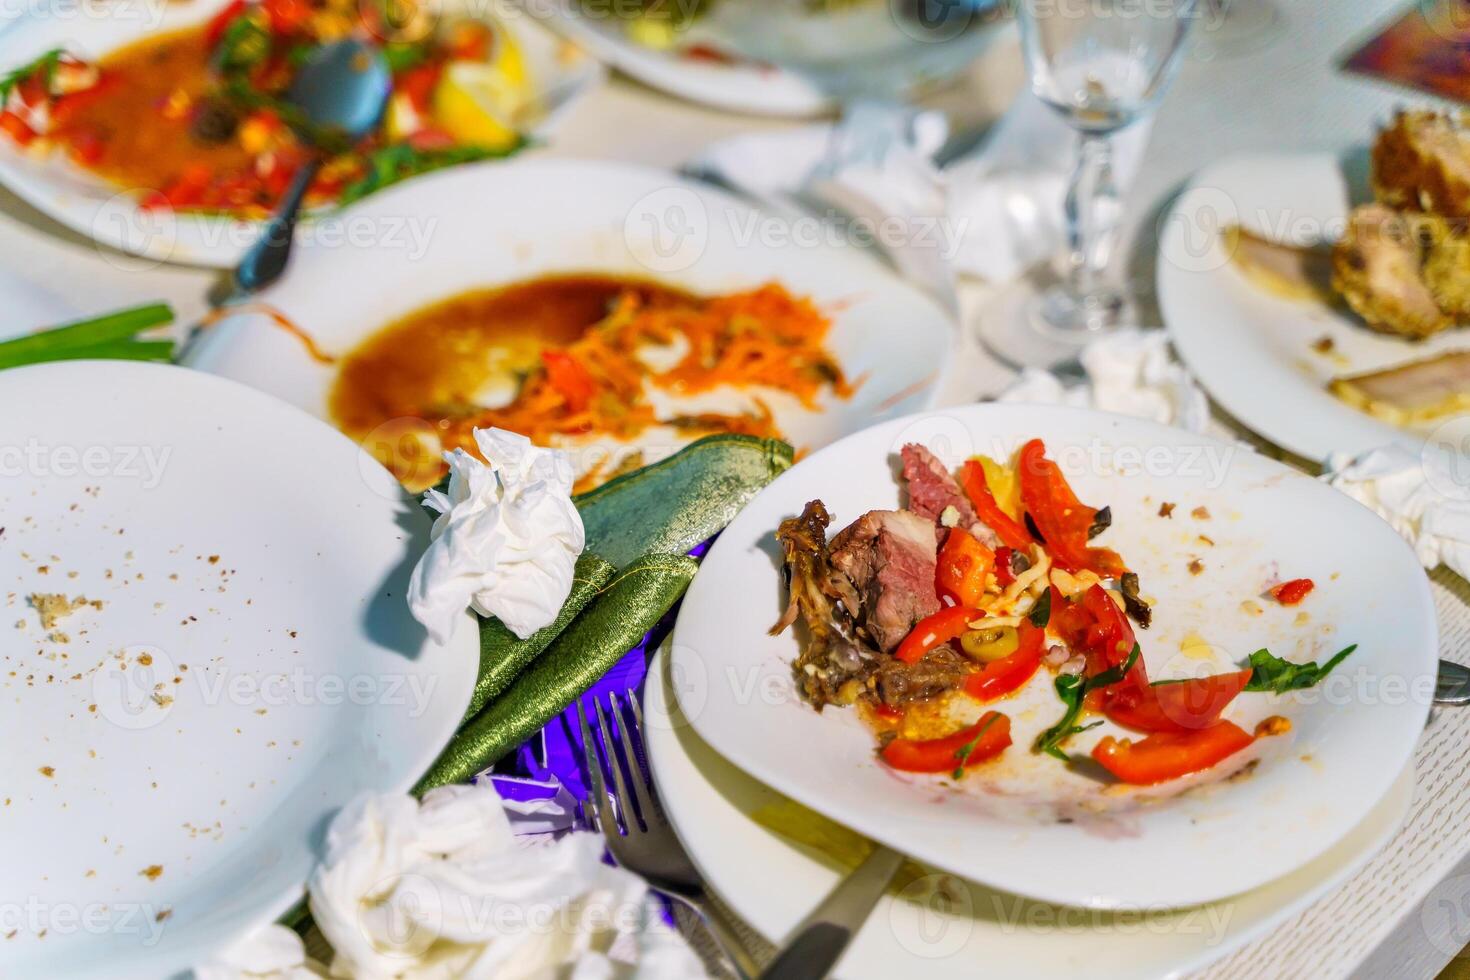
(661,46)
(208,654)
(1327,316)
(1184,688)
(615,311)
(737,829)
(167,134)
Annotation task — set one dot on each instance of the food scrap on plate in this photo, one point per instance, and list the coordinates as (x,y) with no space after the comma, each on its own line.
(197,119)
(988,578)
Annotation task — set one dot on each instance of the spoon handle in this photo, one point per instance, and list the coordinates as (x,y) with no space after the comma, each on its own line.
(267,258)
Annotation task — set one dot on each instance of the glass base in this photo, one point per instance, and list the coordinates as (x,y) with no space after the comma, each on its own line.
(1065,314)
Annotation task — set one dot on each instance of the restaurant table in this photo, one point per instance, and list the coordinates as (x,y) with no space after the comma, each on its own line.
(1407,913)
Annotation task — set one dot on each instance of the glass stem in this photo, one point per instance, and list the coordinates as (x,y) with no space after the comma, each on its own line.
(1092,211)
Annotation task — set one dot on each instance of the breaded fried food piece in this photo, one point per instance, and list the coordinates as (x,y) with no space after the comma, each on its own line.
(1422,163)
(1446,271)
(1376,268)
(1417,392)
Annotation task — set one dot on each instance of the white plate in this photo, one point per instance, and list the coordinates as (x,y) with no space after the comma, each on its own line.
(736,87)
(94,207)
(489,224)
(1251,349)
(1026,823)
(738,830)
(256,556)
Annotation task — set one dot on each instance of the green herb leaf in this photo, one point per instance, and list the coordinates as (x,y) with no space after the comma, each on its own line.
(1271,673)
(962,754)
(45,66)
(391,164)
(1072,689)
(1040,613)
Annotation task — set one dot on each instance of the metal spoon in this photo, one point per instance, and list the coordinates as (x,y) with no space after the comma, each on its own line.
(341,89)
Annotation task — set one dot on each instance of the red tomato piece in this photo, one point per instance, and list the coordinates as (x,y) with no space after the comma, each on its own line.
(1008,674)
(962,568)
(15,127)
(286,16)
(1293,592)
(985,739)
(935,629)
(1178,706)
(418,84)
(1062,520)
(87,145)
(1011,533)
(1163,756)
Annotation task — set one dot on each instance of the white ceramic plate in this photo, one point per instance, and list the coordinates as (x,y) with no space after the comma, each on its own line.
(738,830)
(1026,823)
(92,206)
(736,87)
(172,763)
(1253,350)
(491,224)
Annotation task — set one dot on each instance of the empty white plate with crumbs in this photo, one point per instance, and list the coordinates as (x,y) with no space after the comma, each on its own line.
(206,653)
(1025,822)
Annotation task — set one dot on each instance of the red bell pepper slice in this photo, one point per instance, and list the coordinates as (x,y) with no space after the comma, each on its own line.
(1011,533)
(962,568)
(985,739)
(286,16)
(16,128)
(1003,574)
(1293,592)
(1177,706)
(935,629)
(1163,756)
(569,378)
(1001,677)
(418,84)
(220,22)
(1062,520)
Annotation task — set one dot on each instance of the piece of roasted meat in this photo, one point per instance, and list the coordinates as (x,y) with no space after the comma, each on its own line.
(858,598)
(1377,267)
(1421,162)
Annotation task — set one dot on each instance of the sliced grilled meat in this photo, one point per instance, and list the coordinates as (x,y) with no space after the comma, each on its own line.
(888,556)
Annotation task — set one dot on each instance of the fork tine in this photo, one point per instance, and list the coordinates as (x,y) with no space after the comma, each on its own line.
(597,793)
(635,762)
(620,776)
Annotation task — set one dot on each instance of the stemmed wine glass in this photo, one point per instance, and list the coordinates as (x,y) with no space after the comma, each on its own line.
(1101,64)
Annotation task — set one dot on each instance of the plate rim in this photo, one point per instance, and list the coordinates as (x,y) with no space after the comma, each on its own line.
(462,647)
(875,828)
(1210,361)
(664,740)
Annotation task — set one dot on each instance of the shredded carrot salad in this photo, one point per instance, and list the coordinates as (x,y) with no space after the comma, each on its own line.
(762,337)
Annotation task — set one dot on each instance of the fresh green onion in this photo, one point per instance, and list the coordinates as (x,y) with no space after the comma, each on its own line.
(111,337)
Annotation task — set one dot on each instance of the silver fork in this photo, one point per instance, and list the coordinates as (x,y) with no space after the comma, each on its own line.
(646,847)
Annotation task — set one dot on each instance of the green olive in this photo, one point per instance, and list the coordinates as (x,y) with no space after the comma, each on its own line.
(991,643)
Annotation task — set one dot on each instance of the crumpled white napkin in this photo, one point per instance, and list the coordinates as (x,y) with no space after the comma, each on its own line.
(999,210)
(1131,372)
(505,542)
(443,889)
(1417,494)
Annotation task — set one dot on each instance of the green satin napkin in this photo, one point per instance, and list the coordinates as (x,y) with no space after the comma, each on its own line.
(641,522)
(629,607)
(503,655)
(678,502)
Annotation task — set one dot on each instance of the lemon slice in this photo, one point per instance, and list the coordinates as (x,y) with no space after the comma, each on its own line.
(483,103)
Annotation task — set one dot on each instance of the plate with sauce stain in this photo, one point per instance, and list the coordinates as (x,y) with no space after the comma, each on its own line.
(135,137)
(616,311)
